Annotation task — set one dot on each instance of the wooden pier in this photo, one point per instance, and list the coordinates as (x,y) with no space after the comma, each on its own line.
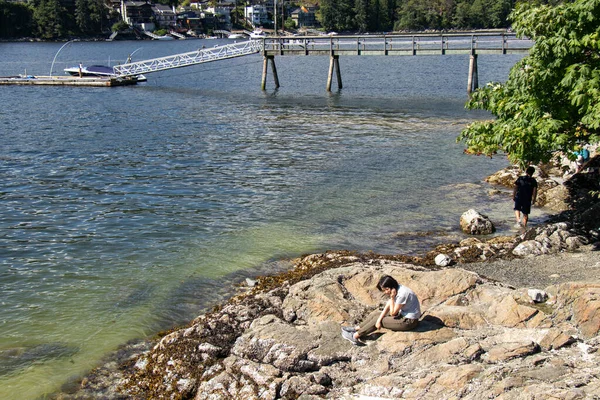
(468,43)
(68,81)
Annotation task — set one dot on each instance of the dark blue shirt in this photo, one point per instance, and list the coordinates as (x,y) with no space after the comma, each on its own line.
(525,185)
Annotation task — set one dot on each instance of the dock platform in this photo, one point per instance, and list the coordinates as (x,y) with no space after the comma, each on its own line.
(96,81)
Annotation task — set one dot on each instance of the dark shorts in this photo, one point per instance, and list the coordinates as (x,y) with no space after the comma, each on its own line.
(525,208)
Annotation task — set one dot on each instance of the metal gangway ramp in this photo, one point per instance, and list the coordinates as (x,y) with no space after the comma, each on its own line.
(199,56)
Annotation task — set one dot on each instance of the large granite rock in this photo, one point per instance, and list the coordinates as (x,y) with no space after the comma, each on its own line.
(477,339)
(475,223)
(549,239)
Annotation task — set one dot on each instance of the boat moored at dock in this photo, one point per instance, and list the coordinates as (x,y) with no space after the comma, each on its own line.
(97,71)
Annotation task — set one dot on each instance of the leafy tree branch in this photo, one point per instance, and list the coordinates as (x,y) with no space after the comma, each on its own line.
(551,100)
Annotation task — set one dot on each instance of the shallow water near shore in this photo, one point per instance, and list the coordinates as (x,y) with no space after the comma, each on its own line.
(125,211)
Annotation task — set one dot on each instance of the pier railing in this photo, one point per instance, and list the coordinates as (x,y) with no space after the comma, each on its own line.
(398,45)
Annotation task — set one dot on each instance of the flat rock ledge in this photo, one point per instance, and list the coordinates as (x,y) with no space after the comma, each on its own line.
(477,339)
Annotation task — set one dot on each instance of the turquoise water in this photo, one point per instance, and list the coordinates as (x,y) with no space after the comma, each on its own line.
(124,211)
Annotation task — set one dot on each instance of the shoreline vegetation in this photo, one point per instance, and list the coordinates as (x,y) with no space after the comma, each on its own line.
(285,34)
(510,317)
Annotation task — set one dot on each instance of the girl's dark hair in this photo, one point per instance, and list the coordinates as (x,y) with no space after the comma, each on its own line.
(387,281)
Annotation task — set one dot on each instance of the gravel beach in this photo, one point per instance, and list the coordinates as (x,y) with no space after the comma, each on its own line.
(542,271)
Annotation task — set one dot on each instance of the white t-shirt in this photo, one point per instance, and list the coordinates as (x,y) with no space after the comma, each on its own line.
(411,307)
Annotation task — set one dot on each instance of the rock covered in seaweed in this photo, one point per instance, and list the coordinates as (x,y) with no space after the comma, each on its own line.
(478,339)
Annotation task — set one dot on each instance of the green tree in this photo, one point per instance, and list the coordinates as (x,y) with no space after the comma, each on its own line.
(421,14)
(290,24)
(498,11)
(373,15)
(462,15)
(413,16)
(385,15)
(49,17)
(82,15)
(327,14)
(16,20)
(551,100)
(337,15)
(119,26)
(361,11)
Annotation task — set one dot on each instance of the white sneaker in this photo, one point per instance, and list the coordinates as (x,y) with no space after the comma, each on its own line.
(350,337)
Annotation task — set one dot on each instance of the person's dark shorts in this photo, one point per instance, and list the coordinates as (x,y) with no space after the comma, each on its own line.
(525,208)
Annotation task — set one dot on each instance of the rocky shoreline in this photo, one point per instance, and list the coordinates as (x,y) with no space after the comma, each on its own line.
(510,317)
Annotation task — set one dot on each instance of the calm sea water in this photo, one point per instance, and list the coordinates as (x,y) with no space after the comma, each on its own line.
(128,210)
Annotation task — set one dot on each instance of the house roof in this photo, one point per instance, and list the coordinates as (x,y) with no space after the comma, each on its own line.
(135,3)
(162,7)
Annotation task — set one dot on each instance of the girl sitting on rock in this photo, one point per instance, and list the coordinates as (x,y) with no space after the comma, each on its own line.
(401,312)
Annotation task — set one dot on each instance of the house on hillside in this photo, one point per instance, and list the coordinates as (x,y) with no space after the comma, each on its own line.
(138,14)
(197,22)
(222,14)
(257,15)
(165,16)
(305,17)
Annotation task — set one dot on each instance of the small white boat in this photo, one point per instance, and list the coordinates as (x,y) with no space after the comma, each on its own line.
(258,34)
(97,70)
(237,36)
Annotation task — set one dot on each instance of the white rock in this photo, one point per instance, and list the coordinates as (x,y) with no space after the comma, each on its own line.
(538,296)
(443,260)
(528,248)
(474,223)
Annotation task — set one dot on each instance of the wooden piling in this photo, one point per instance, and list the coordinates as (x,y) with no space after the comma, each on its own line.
(334,64)
(338,73)
(266,60)
(263,85)
(473,80)
(274,70)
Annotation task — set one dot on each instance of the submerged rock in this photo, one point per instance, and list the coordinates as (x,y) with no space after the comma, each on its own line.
(12,359)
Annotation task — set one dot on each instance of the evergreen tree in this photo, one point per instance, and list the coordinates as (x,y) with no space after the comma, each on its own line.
(49,17)
(462,18)
(16,20)
(374,11)
(82,16)
(327,14)
(362,15)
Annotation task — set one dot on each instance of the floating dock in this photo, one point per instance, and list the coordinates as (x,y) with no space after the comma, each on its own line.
(95,81)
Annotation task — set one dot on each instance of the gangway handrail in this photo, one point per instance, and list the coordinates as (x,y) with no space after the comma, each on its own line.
(191,58)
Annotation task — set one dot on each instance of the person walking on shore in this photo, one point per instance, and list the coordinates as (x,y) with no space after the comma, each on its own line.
(524,195)
(401,312)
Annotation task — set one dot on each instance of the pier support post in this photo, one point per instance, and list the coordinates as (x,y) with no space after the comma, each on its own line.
(473,81)
(263,85)
(334,63)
